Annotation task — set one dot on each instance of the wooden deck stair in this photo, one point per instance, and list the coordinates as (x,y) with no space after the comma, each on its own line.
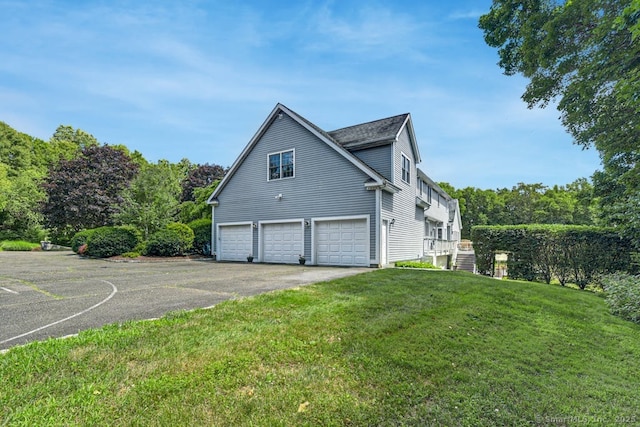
(466,261)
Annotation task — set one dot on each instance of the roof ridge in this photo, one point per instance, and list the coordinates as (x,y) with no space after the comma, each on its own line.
(370,122)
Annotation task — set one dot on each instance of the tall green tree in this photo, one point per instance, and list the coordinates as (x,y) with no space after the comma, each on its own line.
(20,216)
(522,203)
(23,164)
(152,199)
(583,56)
(477,207)
(192,210)
(77,139)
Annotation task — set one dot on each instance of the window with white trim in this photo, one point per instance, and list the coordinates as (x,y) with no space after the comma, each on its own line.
(406,169)
(281,165)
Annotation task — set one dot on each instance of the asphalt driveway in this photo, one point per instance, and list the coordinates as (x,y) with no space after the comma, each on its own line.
(54,294)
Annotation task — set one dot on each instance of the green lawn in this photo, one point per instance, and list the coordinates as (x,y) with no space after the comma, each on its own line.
(17,245)
(390,347)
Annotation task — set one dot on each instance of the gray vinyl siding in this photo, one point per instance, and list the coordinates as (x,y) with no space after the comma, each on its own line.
(325,184)
(407,233)
(379,158)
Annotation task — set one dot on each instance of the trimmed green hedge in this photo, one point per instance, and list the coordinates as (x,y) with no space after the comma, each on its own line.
(104,242)
(186,235)
(163,243)
(173,240)
(202,236)
(569,253)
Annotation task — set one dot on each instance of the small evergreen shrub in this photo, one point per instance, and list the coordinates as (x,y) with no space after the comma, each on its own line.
(186,235)
(106,242)
(140,247)
(623,295)
(164,242)
(202,235)
(80,238)
(415,264)
(132,254)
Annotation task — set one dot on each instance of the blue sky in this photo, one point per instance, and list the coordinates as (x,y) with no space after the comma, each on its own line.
(195,79)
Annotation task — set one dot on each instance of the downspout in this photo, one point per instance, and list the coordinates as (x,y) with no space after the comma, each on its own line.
(378,225)
(213,211)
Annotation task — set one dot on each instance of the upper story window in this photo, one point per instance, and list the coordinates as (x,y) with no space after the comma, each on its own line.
(429,194)
(281,165)
(406,169)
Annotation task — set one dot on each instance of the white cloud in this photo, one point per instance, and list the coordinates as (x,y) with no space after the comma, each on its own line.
(466,14)
(376,32)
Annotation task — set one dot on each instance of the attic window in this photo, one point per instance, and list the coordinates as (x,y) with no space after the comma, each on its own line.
(281,165)
(406,169)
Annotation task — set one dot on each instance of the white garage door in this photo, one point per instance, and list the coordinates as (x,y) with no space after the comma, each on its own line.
(282,242)
(342,242)
(236,242)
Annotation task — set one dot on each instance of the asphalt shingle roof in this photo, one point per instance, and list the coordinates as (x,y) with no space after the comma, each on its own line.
(371,133)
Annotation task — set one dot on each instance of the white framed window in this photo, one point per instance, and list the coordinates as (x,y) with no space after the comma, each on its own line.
(429,194)
(281,165)
(406,169)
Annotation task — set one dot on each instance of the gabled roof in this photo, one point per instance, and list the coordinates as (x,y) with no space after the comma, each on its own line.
(375,133)
(384,130)
(376,180)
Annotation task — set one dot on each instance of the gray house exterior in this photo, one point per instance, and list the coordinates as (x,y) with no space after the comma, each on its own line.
(352,197)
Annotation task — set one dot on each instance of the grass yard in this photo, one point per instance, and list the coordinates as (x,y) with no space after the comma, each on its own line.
(390,347)
(18,245)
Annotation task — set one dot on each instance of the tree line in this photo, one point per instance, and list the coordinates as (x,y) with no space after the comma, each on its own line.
(53,189)
(571,204)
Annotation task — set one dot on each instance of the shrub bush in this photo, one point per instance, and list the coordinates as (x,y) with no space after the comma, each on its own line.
(29,234)
(186,235)
(542,252)
(111,241)
(164,243)
(80,238)
(415,264)
(623,295)
(202,235)
(133,254)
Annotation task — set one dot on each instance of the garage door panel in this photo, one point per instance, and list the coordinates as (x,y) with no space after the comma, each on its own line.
(342,242)
(283,242)
(236,242)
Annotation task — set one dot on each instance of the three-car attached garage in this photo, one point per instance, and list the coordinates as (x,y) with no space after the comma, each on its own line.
(333,241)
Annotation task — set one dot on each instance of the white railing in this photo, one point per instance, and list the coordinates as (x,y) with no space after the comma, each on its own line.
(438,247)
